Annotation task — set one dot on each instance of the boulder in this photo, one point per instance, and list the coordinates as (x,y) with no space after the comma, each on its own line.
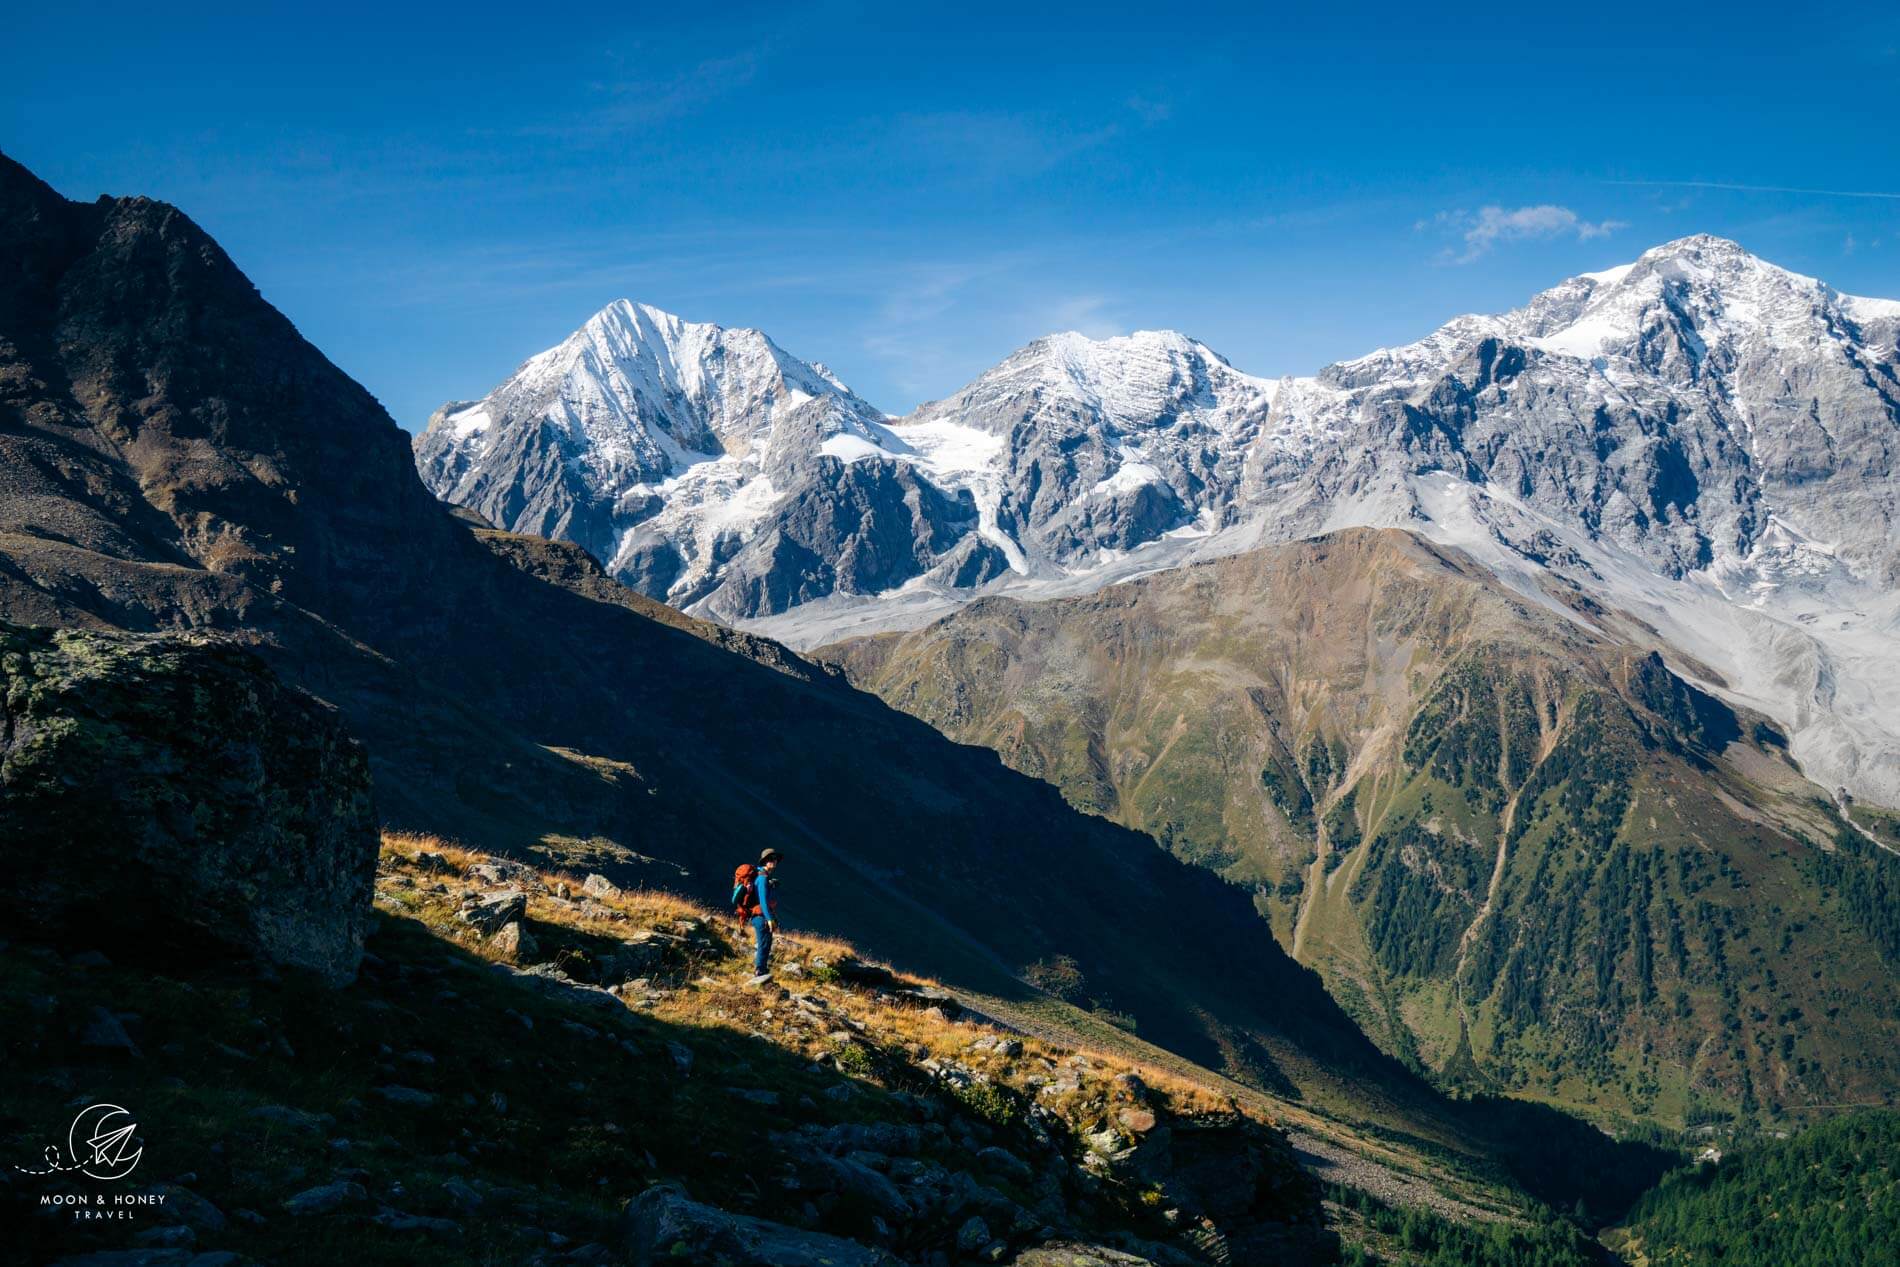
(512,941)
(294,1119)
(663,1225)
(1137,1121)
(105,1032)
(1003,1162)
(498,871)
(489,913)
(973,1235)
(183,1207)
(167,793)
(551,981)
(600,886)
(400,1221)
(855,1183)
(326,1198)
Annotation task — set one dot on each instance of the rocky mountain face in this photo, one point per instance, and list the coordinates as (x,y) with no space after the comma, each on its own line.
(707,468)
(1699,437)
(1522,851)
(164,795)
(659,445)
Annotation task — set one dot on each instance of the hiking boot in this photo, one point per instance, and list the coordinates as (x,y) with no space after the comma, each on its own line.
(760,979)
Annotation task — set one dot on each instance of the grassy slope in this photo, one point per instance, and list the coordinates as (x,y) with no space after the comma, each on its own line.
(1355,725)
(556,1111)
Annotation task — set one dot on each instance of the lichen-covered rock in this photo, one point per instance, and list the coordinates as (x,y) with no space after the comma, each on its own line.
(166,793)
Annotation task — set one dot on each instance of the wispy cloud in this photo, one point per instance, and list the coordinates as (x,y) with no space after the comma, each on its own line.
(1151,109)
(909,333)
(623,105)
(1758,189)
(987,147)
(1491,225)
(1085,314)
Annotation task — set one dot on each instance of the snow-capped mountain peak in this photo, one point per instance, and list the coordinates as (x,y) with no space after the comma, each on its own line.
(1711,290)
(641,417)
(1125,383)
(1696,426)
(636,396)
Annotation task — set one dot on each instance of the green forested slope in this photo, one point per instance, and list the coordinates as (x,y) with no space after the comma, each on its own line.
(1522,853)
(1826,1198)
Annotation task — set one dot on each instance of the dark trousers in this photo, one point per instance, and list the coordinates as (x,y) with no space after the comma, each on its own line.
(761,945)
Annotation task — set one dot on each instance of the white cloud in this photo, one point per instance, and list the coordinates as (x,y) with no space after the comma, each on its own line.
(1492,225)
(1087,315)
(1151,109)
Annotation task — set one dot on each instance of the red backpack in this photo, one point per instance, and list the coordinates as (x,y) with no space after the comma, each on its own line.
(745,891)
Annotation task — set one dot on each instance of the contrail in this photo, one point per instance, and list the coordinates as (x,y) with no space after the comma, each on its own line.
(1758,189)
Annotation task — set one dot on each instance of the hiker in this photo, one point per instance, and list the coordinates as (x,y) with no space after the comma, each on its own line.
(753,903)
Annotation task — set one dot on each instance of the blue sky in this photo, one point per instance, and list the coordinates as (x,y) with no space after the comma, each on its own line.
(910,193)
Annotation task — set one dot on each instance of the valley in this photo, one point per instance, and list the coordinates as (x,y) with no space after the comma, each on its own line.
(1523,854)
(1387,812)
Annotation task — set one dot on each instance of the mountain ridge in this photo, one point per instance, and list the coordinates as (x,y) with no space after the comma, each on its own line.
(1700,438)
(177,457)
(1697,437)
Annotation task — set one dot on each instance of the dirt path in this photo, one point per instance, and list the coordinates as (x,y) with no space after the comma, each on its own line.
(1840,803)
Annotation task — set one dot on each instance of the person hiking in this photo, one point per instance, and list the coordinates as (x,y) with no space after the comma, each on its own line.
(753,902)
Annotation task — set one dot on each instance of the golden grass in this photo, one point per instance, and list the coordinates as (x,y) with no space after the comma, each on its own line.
(407,845)
(715,992)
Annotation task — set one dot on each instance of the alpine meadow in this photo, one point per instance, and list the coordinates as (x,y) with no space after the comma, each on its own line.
(504,762)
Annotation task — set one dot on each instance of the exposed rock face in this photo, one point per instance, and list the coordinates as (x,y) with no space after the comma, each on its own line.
(857,528)
(166,791)
(658,445)
(1677,406)
(705,467)
(1103,444)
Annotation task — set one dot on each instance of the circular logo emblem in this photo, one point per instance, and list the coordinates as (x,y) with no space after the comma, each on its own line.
(104,1140)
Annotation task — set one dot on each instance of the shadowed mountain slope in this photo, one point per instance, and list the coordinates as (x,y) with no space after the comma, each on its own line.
(174,455)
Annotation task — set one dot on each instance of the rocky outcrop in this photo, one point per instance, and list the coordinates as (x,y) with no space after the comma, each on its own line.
(166,792)
(662,1225)
(855,528)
